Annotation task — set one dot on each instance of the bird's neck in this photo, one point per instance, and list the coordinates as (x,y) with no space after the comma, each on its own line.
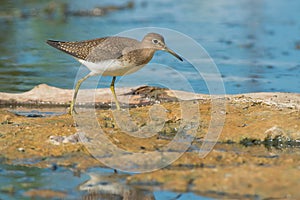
(139,56)
(145,55)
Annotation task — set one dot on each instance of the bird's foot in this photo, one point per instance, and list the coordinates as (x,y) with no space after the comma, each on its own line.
(72,110)
(118,106)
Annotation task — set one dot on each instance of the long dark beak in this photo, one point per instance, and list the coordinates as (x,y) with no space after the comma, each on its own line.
(173,53)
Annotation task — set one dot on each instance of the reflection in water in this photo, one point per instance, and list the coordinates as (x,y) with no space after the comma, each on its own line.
(17,182)
(109,186)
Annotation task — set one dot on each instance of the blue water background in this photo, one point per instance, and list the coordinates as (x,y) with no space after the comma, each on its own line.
(254,43)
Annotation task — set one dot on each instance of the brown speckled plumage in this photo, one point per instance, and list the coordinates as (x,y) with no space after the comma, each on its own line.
(100,49)
(107,48)
(79,49)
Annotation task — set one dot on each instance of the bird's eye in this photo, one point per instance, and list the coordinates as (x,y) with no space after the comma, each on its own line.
(155,41)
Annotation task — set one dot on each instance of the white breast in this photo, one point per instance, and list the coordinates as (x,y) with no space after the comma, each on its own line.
(110,67)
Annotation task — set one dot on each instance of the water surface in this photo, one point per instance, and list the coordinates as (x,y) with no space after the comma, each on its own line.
(19,182)
(255,44)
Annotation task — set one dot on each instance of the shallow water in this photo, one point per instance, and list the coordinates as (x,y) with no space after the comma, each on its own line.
(21,182)
(18,182)
(255,44)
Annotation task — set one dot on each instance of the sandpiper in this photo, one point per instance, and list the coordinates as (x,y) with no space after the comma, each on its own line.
(112,56)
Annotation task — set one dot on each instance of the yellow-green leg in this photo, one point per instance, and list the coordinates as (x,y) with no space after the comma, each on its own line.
(112,88)
(78,84)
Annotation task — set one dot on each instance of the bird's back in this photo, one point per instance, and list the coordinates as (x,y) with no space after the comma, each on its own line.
(96,50)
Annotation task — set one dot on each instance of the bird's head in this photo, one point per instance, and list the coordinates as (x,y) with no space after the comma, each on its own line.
(157,42)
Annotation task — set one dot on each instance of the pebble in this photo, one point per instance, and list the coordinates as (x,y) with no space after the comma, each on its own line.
(21,149)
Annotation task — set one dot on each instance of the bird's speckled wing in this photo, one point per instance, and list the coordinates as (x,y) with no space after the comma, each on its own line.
(96,50)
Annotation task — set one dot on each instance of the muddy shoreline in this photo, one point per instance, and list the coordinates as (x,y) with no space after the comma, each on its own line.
(257,155)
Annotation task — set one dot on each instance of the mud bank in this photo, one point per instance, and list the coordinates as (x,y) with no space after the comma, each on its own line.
(257,154)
